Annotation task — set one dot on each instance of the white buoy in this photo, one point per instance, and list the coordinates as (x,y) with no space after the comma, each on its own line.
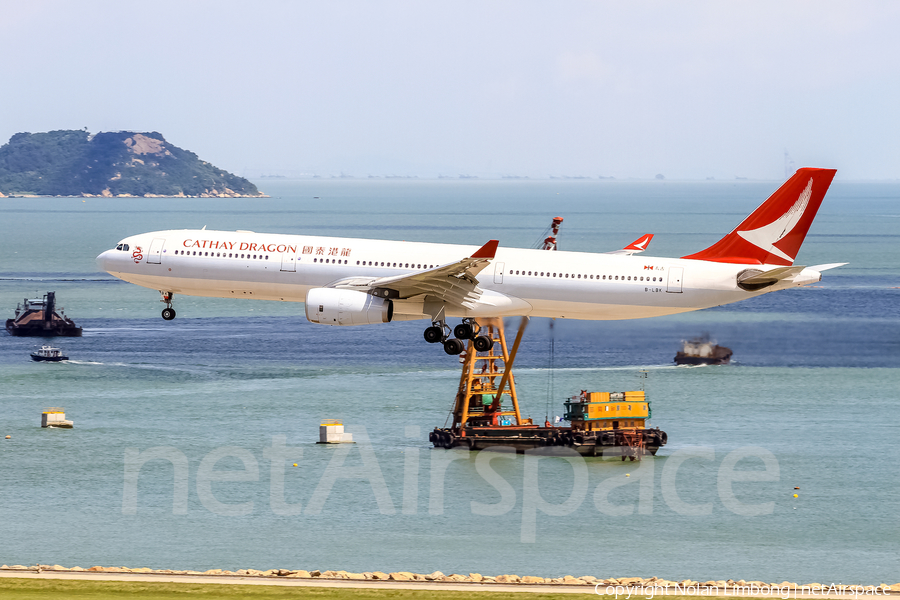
(332,432)
(55,418)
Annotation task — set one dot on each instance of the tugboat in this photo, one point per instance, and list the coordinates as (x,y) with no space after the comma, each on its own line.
(702,351)
(48,354)
(39,318)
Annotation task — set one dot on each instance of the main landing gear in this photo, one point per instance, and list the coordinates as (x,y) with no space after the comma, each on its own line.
(168,312)
(467,330)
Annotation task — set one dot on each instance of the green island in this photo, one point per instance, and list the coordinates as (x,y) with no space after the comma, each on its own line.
(110,164)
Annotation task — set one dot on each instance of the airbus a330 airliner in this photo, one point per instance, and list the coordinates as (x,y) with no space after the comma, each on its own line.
(345,281)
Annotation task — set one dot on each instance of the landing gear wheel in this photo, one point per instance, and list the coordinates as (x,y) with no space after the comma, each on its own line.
(433,335)
(463,331)
(483,343)
(168,312)
(453,346)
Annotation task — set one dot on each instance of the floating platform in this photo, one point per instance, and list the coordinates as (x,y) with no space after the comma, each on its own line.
(55,418)
(332,432)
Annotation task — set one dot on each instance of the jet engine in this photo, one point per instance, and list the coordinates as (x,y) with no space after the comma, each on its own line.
(330,306)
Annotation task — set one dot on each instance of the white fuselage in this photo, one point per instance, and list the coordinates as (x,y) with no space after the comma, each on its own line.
(572,285)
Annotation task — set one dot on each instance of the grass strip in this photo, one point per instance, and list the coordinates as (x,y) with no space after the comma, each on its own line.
(34,589)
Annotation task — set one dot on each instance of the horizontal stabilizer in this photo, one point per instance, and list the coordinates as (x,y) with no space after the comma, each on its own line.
(821,268)
(753,279)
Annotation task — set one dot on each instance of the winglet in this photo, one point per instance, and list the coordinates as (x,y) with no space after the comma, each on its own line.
(640,244)
(635,247)
(488,250)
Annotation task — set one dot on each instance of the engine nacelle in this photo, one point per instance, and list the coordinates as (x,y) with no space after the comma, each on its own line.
(330,306)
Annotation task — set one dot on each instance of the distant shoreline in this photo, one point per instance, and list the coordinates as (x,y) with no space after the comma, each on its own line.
(133,196)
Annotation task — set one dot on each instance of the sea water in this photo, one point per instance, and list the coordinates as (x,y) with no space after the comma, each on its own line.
(186,432)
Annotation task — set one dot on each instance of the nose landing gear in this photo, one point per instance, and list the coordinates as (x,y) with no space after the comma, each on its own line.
(168,313)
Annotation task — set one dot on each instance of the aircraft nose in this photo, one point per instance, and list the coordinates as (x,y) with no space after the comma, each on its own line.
(105,260)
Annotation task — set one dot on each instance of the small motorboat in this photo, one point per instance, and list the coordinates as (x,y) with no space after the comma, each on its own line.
(49,354)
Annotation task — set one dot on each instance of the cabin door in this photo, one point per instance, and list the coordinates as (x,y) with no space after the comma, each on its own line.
(288,262)
(498,272)
(154,255)
(674,284)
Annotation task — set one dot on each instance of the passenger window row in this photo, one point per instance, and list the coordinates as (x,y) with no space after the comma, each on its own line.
(393,265)
(335,261)
(222,254)
(586,276)
(416,266)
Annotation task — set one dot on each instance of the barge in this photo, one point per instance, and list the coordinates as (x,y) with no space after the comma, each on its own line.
(601,423)
(38,317)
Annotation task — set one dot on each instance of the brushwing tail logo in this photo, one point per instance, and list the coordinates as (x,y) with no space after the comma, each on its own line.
(767,236)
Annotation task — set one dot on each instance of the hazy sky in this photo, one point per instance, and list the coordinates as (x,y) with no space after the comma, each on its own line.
(624,89)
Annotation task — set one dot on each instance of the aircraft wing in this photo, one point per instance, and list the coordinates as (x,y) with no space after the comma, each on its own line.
(454,283)
(635,247)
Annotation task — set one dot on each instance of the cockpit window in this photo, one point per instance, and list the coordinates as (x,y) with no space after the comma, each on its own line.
(122,247)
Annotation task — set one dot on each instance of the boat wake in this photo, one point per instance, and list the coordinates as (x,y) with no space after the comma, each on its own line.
(592,369)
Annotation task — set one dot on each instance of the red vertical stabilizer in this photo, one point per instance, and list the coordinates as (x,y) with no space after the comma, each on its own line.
(640,244)
(773,233)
